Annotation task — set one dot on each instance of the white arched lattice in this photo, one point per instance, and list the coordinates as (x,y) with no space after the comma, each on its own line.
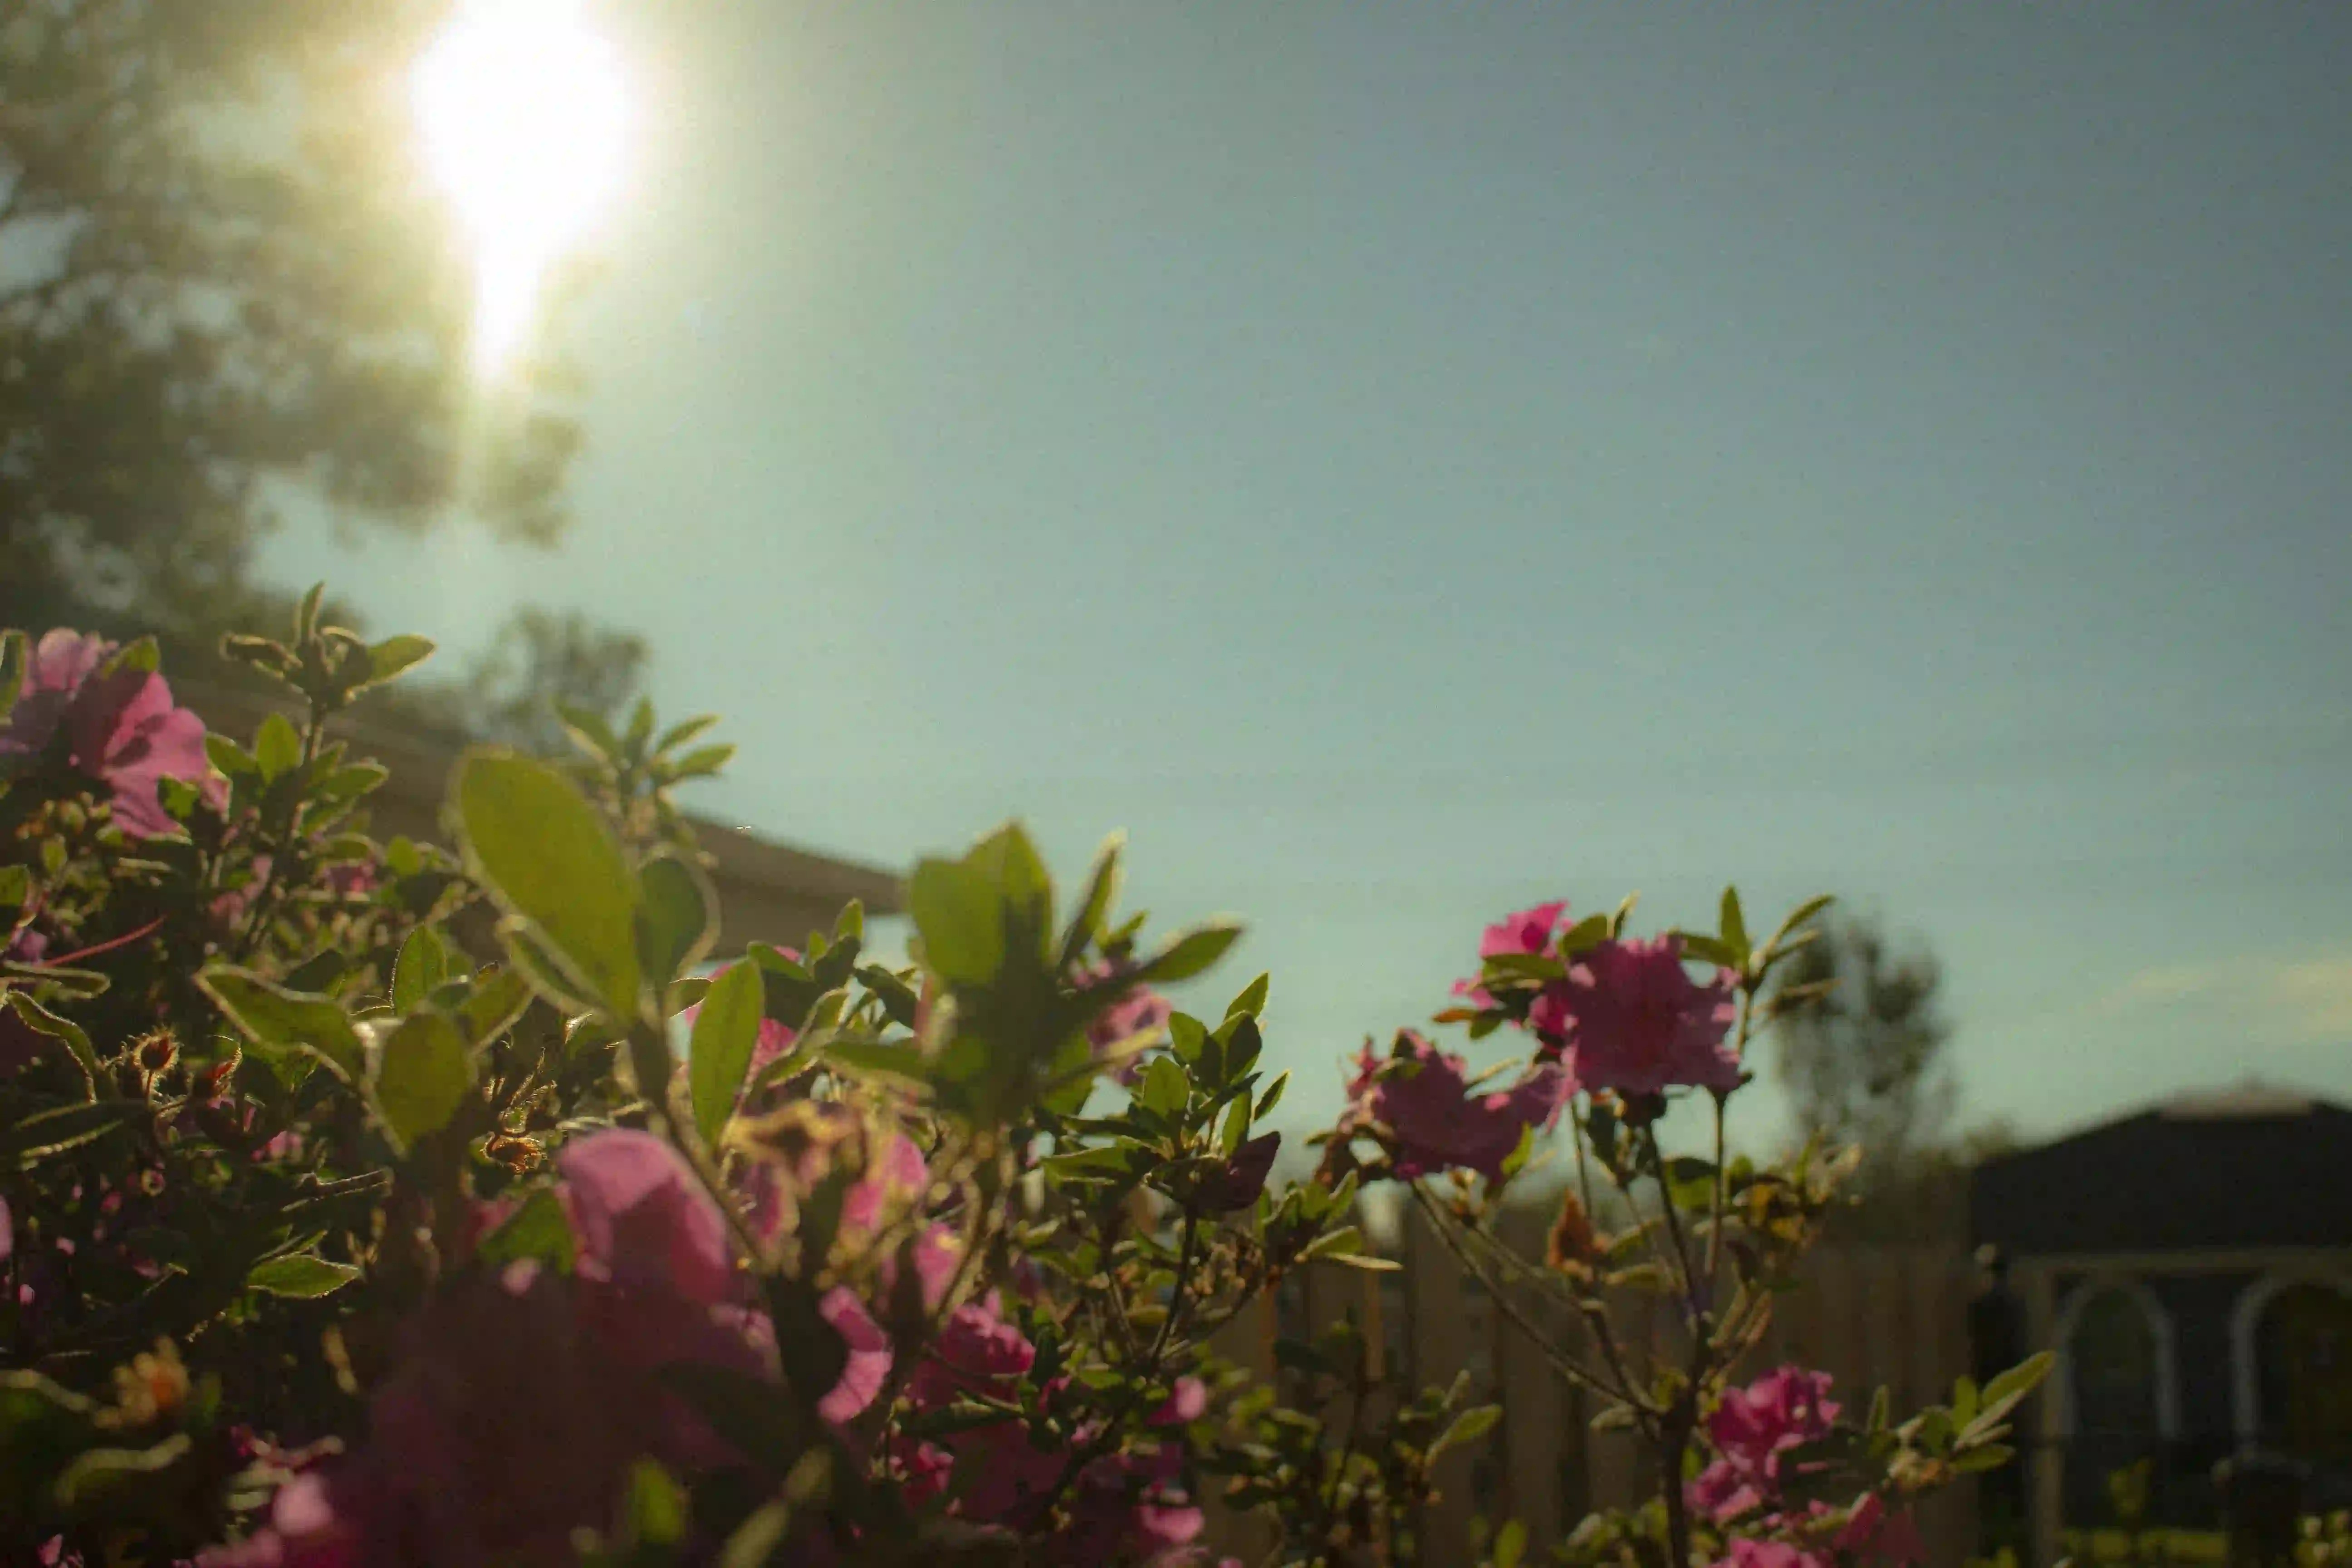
(2160,1328)
(2245,1341)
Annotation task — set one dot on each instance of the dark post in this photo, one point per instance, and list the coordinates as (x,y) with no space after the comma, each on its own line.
(2261,1501)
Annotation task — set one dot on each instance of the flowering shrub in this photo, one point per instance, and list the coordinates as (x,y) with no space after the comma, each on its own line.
(358,1205)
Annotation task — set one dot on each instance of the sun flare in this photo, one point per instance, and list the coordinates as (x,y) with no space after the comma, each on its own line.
(524,113)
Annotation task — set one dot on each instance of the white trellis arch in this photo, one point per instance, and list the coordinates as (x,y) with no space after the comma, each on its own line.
(2160,1327)
(2245,1340)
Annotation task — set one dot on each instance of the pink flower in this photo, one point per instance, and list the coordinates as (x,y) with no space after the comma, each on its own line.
(1188,1401)
(643,1219)
(1750,1430)
(1238,1183)
(521,1397)
(119,728)
(868,1366)
(1770,1555)
(1420,1096)
(1137,1010)
(1636,1023)
(1875,1535)
(976,1349)
(890,1183)
(1529,930)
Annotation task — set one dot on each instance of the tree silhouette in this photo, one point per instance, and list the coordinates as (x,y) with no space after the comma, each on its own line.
(1862,1049)
(223,286)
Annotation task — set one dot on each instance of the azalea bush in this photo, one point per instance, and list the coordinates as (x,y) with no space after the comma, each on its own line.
(373,1202)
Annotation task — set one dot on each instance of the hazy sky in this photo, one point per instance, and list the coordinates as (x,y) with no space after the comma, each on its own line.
(1404,461)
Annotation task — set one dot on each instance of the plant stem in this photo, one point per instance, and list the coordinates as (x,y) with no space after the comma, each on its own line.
(1575,1374)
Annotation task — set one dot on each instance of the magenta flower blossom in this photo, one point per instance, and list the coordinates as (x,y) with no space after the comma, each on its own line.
(121,729)
(642,1219)
(1238,1183)
(1635,1022)
(1746,1553)
(522,1397)
(1528,930)
(1420,1097)
(1750,1430)
(1875,1535)
(869,1367)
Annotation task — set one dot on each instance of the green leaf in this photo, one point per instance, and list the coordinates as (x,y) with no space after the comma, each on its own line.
(1510,1544)
(277,748)
(958,915)
(2004,1393)
(588,730)
(425,1073)
(496,999)
(1990,1456)
(873,1058)
(547,854)
(63,1030)
(654,1509)
(726,1032)
(1095,903)
(1164,1088)
(1251,1002)
(422,965)
(685,730)
(16,885)
(306,614)
(702,761)
(37,1137)
(14,658)
(300,1275)
(1733,927)
(539,1230)
(850,924)
(1273,1095)
(393,655)
(281,1023)
(678,917)
(1796,918)
(1709,949)
(1189,955)
(545,974)
(1467,1427)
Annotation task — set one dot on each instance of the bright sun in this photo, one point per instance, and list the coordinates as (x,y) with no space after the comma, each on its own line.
(525,116)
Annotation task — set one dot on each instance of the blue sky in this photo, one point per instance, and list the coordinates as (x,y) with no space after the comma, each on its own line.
(1402,462)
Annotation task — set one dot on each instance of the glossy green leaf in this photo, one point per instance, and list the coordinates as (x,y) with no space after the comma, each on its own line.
(726,1032)
(1164,1087)
(1732,926)
(543,849)
(390,657)
(422,964)
(424,1075)
(277,747)
(300,1275)
(1095,903)
(1189,955)
(1252,1001)
(678,917)
(958,915)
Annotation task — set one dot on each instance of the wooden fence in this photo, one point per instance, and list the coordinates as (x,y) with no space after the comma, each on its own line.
(1867,1315)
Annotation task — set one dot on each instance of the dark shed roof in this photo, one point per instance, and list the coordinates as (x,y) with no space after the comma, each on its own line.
(2244,1168)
